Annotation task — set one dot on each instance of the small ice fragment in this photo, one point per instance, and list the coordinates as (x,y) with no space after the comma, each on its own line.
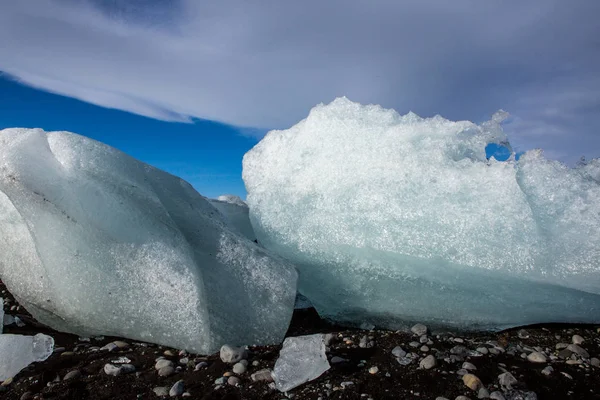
(301,359)
(18,351)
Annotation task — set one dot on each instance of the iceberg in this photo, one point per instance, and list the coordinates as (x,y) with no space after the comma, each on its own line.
(94,242)
(396,219)
(18,351)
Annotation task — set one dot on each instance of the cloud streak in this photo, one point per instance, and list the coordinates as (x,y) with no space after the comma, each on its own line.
(264,64)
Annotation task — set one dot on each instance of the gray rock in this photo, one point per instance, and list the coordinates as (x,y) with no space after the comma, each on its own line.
(161,391)
(472,382)
(262,375)
(72,375)
(462,398)
(167,370)
(398,352)
(26,396)
(560,346)
(414,344)
(423,339)
(231,354)
(127,368)
(424,349)
(578,350)
(110,347)
(239,368)
(497,395)
(548,370)
(428,362)
(441,398)
(220,381)
(200,365)
(112,370)
(536,357)
(523,334)
(507,380)
(163,363)
(482,350)
(234,381)
(419,329)
(459,350)
(483,393)
(595,362)
(565,353)
(468,366)
(177,389)
(577,339)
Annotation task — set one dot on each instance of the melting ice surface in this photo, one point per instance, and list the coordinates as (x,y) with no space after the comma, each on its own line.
(235,212)
(394,218)
(94,242)
(18,351)
(301,359)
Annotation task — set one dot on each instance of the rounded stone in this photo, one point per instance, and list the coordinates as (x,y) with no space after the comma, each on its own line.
(176,389)
(239,368)
(419,329)
(233,381)
(231,354)
(166,371)
(428,362)
(472,382)
(72,375)
(163,363)
(536,357)
(161,391)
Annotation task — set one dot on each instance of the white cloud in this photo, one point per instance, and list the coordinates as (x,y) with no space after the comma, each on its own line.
(266,63)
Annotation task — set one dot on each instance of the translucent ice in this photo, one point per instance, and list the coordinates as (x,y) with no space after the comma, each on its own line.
(394,219)
(94,242)
(301,359)
(235,212)
(18,351)
(2,314)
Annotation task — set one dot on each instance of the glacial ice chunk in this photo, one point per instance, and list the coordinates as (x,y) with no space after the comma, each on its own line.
(2,323)
(301,359)
(94,242)
(236,213)
(18,351)
(398,219)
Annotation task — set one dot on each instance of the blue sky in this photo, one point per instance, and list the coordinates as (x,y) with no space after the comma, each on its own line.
(206,154)
(260,65)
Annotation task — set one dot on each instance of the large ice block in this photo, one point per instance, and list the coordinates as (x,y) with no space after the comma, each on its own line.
(235,212)
(94,242)
(395,218)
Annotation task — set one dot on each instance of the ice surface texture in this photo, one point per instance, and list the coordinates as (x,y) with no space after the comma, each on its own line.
(301,359)
(235,212)
(394,218)
(18,351)
(94,242)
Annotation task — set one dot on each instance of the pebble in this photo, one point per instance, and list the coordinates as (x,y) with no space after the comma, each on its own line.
(233,381)
(167,370)
(163,363)
(578,350)
(482,350)
(72,375)
(168,353)
(414,344)
(565,353)
(472,382)
(560,346)
(110,347)
(461,398)
(255,363)
(161,391)
(428,362)
(398,352)
(120,344)
(483,393)
(228,374)
(113,370)
(262,375)
(536,357)
(507,380)
(424,349)
(523,334)
(419,329)
(497,395)
(26,396)
(176,389)
(200,365)
(67,354)
(220,381)
(373,370)
(595,362)
(231,354)
(577,339)
(468,366)
(239,368)
(184,361)
(423,339)
(548,370)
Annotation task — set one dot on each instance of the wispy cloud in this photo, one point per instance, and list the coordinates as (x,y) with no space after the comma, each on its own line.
(264,64)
